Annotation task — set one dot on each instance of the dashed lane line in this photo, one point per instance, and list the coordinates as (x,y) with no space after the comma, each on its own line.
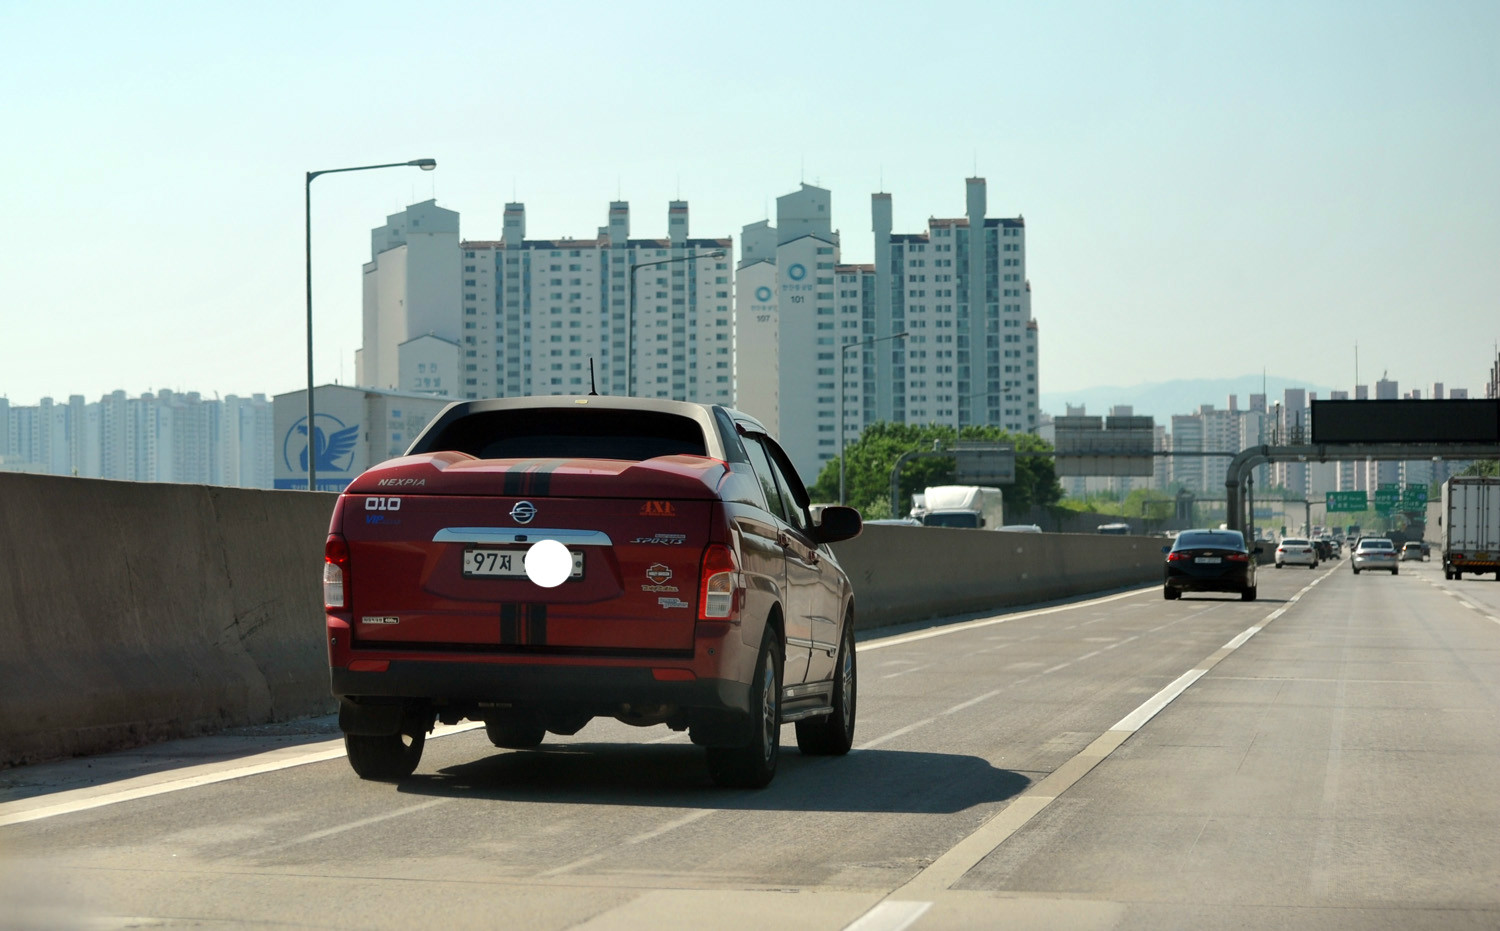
(949,868)
(76,800)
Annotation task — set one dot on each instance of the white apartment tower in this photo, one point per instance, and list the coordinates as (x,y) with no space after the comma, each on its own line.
(411,303)
(958,291)
(537,312)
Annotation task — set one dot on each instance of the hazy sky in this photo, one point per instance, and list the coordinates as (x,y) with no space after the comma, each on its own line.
(1209,188)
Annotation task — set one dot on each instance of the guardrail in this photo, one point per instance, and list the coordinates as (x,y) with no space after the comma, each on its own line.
(134,612)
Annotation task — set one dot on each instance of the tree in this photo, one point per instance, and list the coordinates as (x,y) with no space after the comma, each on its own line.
(1490,467)
(867,478)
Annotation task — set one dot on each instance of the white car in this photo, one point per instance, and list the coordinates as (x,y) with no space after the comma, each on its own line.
(1375,553)
(1296,552)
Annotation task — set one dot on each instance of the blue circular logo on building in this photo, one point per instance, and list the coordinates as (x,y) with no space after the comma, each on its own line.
(333,445)
(797,271)
(762,294)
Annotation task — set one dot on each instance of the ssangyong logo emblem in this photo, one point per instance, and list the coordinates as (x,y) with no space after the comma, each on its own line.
(523,512)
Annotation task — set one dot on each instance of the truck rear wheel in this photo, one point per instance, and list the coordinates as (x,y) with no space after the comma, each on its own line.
(385,758)
(752,765)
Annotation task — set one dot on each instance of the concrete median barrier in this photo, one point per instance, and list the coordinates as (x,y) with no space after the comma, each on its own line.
(904,574)
(134,612)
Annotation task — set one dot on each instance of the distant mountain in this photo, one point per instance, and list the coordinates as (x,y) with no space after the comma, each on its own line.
(1162,399)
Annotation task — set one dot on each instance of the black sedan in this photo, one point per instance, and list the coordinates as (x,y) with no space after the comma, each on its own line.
(1209,561)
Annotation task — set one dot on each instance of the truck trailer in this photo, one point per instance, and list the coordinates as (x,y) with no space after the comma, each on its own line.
(1471,526)
(976,507)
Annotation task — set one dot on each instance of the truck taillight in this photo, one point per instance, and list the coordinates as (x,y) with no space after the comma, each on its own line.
(719,595)
(335,572)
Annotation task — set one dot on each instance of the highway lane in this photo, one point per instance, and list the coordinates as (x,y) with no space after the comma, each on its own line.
(1337,768)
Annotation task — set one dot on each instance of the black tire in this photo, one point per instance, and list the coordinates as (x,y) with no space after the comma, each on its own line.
(753,765)
(1457,576)
(386,758)
(1170,594)
(1278,565)
(1248,594)
(1356,570)
(1313,566)
(515,735)
(1395,571)
(833,734)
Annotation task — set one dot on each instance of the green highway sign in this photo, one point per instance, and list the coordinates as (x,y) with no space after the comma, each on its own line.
(1414,498)
(1387,498)
(1352,501)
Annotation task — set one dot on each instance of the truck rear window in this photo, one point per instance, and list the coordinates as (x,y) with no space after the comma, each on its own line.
(560,433)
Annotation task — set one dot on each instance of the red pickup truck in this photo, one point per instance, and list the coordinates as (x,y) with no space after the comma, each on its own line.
(685,584)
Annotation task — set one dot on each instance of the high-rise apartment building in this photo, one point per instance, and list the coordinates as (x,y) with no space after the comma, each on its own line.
(537,312)
(958,291)
(165,436)
(411,303)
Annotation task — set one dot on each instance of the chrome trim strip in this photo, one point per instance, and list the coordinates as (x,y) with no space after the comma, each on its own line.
(805,690)
(499,535)
(800,642)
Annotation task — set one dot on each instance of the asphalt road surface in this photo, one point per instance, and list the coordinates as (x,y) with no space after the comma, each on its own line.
(1325,757)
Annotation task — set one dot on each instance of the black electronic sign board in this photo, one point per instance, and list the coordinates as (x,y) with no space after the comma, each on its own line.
(1460,421)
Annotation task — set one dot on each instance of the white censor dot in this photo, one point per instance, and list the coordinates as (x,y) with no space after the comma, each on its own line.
(548,563)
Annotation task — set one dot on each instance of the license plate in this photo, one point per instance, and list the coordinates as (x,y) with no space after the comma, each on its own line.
(1481,556)
(506,564)
(1208,560)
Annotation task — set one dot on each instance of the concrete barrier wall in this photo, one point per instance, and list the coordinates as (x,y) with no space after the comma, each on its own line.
(134,612)
(903,574)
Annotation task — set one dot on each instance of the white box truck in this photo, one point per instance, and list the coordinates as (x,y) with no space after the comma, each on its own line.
(1471,526)
(977,507)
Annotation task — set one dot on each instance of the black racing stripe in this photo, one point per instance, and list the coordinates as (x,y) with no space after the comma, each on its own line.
(510,626)
(541,477)
(536,625)
(514,480)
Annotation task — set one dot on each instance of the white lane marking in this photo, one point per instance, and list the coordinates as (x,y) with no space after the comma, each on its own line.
(889,915)
(1471,607)
(972,702)
(988,622)
(1133,721)
(949,868)
(670,826)
(895,733)
(351,826)
(1057,667)
(1245,635)
(629,842)
(76,800)
(892,675)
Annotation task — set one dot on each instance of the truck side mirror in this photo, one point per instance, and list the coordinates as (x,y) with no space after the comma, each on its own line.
(838,523)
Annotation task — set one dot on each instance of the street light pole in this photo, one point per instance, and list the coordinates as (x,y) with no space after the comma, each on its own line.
(426,164)
(630,310)
(843,354)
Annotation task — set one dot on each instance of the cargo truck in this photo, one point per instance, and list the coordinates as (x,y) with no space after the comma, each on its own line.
(1471,526)
(977,507)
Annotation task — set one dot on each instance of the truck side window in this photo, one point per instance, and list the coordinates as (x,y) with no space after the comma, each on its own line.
(767,476)
(791,486)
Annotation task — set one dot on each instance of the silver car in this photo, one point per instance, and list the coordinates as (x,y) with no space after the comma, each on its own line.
(1296,552)
(1376,553)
